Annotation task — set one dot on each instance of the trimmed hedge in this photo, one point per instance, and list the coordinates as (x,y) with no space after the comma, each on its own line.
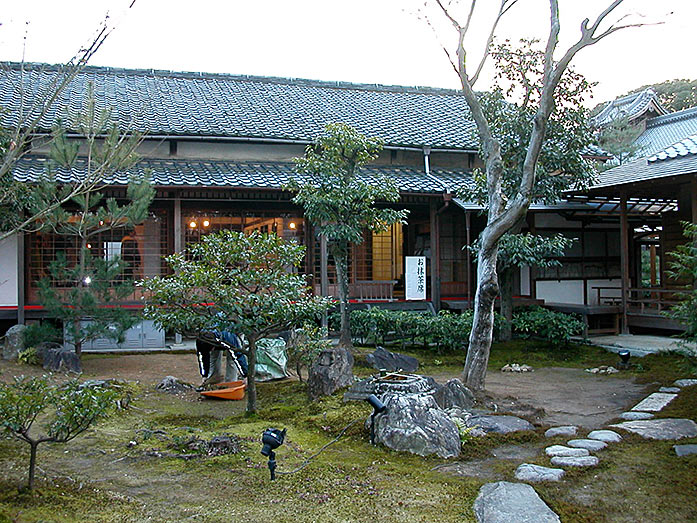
(555,327)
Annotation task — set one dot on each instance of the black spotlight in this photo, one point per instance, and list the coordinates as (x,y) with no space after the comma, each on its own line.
(624,359)
(271,439)
(378,407)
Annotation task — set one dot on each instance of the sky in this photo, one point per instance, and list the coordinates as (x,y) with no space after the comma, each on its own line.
(362,41)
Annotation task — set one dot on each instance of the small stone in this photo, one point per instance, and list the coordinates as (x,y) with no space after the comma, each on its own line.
(607,436)
(500,424)
(664,428)
(654,402)
(635,415)
(686,382)
(537,473)
(566,430)
(514,367)
(592,445)
(583,461)
(561,450)
(603,369)
(503,501)
(685,450)
(172,385)
(669,389)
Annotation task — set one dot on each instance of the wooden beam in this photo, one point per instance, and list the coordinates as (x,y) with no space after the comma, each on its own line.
(468,228)
(624,258)
(21,298)
(435,256)
(178,243)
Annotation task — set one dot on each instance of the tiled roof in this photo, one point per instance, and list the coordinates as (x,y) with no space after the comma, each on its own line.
(663,131)
(247,175)
(164,103)
(630,106)
(684,147)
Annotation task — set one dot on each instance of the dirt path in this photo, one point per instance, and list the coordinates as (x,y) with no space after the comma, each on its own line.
(567,396)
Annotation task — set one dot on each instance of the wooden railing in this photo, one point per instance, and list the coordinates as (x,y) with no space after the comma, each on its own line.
(368,290)
(642,300)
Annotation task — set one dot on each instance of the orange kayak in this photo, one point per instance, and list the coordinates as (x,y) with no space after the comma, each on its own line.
(232,390)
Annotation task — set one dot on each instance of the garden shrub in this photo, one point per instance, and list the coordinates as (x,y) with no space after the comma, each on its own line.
(36,333)
(552,326)
(29,357)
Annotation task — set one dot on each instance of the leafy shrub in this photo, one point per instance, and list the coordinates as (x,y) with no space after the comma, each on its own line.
(29,357)
(552,326)
(36,333)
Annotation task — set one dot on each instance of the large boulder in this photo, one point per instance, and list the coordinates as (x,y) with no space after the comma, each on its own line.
(331,371)
(65,360)
(505,502)
(414,423)
(392,361)
(14,342)
(454,395)
(43,347)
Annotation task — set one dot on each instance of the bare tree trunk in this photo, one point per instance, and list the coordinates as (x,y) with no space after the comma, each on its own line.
(32,464)
(340,260)
(251,374)
(483,321)
(506,289)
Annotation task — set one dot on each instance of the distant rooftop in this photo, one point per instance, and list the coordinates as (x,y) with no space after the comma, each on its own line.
(180,104)
(631,106)
(663,131)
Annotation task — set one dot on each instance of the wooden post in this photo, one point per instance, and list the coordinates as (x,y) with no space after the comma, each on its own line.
(178,243)
(468,255)
(20,278)
(624,258)
(324,273)
(435,257)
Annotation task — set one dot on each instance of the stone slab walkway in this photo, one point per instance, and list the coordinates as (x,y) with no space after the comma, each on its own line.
(505,502)
(654,402)
(639,345)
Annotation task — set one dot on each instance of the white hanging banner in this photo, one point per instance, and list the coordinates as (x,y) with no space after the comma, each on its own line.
(415,277)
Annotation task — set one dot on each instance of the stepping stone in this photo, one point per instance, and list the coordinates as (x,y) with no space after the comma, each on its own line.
(506,502)
(669,389)
(685,382)
(500,424)
(607,436)
(561,450)
(683,450)
(635,415)
(536,473)
(566,430)
(654,402)
(665,428)
(582,461)
(592,445)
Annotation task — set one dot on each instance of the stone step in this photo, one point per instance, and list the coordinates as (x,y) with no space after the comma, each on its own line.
(635,415)
(582,461)
(565,430)
(537,473)
(664,428)
(686,382)
(504,501)
(561,450)
(654,402)
(672,390)
(685,450)
(608,436)
(592,445)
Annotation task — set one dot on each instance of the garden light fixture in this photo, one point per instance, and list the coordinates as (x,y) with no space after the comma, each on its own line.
(378,408)
(624,359)
(271,439)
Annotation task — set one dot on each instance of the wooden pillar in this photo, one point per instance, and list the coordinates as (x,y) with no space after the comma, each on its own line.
(468,255)
(323,266)
(624,258)
(435,257)
(693,199)
(178,243)
(21,298)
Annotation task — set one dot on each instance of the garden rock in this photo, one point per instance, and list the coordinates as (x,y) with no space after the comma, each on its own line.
(331,371)
(505,502)
(582,461)
(635,415)
(592,445)
(665,428)
(414,423)
(172,385)
(687,382)
(14,342)
(566,430)
(392,361)
(499,424)
(567,452)
(43,347)
(603,369)
(57,360)
(453,395)
(514,367)
(608,436)
(413,384)
(537,473)
(685,450)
